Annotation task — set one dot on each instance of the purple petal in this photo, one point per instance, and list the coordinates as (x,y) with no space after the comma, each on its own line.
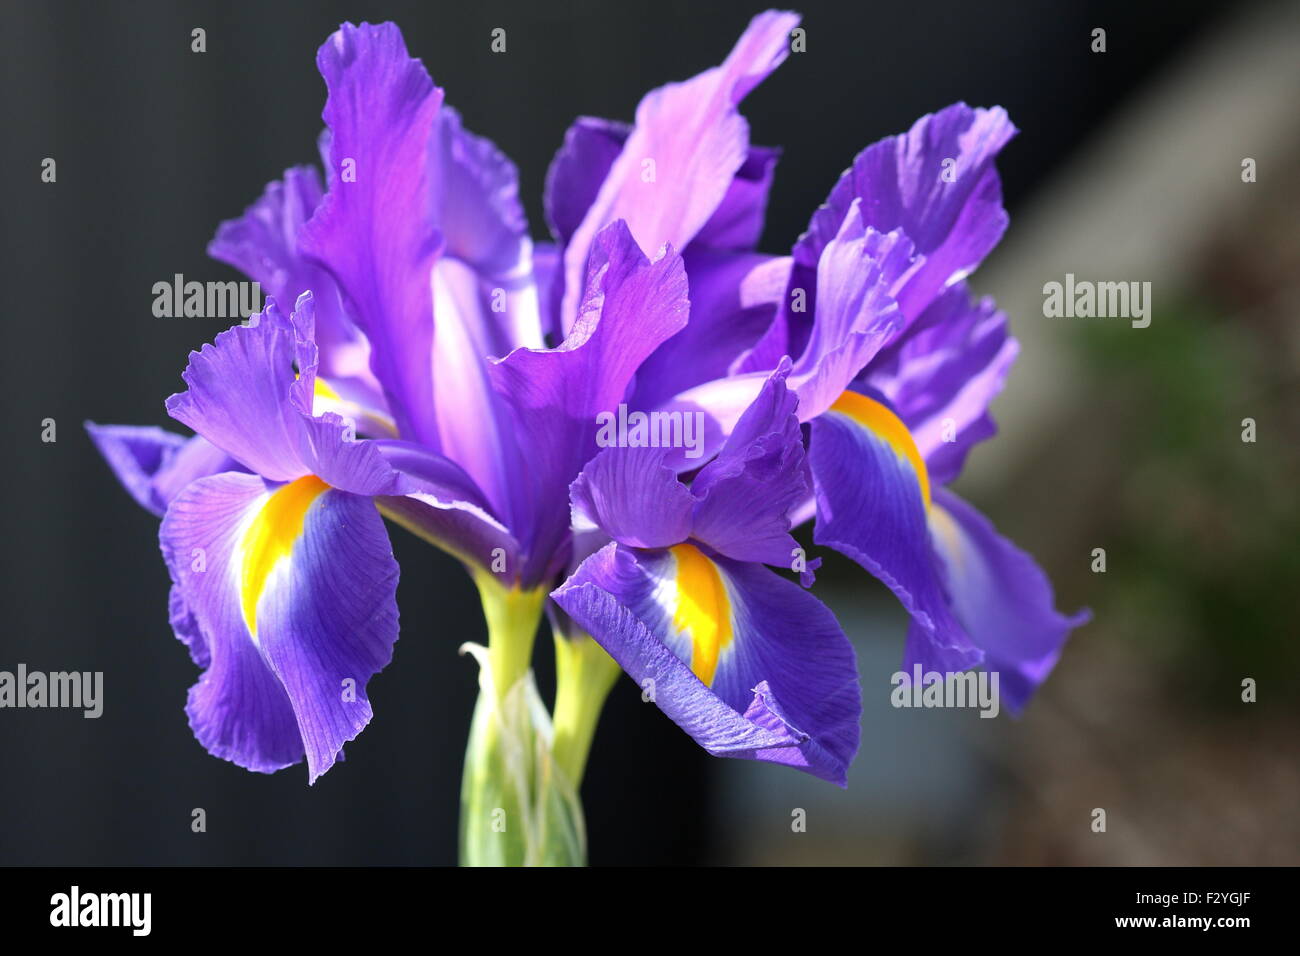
(745,495)
(942,375)
(238,396)
(856,312)
(872,499)
(244,398)
(779,677)
(187,629)
(632,305)
(697,141)
(444,507)
(936,183)
(738,221)
(153,465)
(1002,597)
(473,420)
(475,203)
(374,229)
(263,244)
(288,678)
(856,316)
(634,498)
(579,168)
(592,145)
(730,309)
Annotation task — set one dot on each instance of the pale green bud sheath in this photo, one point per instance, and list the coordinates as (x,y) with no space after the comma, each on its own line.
(517,807)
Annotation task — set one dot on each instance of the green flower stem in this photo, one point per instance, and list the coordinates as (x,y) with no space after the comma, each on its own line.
(517,807)
(512,617)
(584,674)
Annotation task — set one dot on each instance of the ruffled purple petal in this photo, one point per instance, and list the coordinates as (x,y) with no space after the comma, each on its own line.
(678,164)
(942,375)
(635,498)
(632,305)
(781,680)
(745,495)
(374,230)
(936,183)
(857,316)
(856,312)
(290,680)
(872,500)
(153,465)
(244,397)
(238,396)
(1002,597)
(475,203)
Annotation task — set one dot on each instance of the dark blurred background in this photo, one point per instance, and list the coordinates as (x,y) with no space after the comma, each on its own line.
(1112,437)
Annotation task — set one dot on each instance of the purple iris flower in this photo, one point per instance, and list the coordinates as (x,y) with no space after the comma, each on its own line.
(894,364)
(746,662)
(448,375)
(409,285)
(286,645)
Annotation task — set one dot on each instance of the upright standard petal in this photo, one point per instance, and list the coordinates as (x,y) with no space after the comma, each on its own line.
(857,314)
(292,589)
(374,229)
(579,168)
(474,200)
(936,183)
(942,374)
(747,663)
(264,244)
(682,156)
(631,306)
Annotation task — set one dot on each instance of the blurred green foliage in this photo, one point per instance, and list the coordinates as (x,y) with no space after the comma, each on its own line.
(1207,526)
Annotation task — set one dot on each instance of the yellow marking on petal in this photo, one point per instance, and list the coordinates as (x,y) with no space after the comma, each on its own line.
(880,421)
(270,537)
(322,389)
(703,610)
(326,399)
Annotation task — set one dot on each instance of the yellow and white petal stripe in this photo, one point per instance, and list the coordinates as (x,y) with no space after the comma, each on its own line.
(369,421)
(293,588)
(701,610)
(748,663)
(874,505)
(881,421)
(269,539)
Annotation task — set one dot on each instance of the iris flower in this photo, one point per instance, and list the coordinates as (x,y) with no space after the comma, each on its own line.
(440,370)
(745,661)
(895,365)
